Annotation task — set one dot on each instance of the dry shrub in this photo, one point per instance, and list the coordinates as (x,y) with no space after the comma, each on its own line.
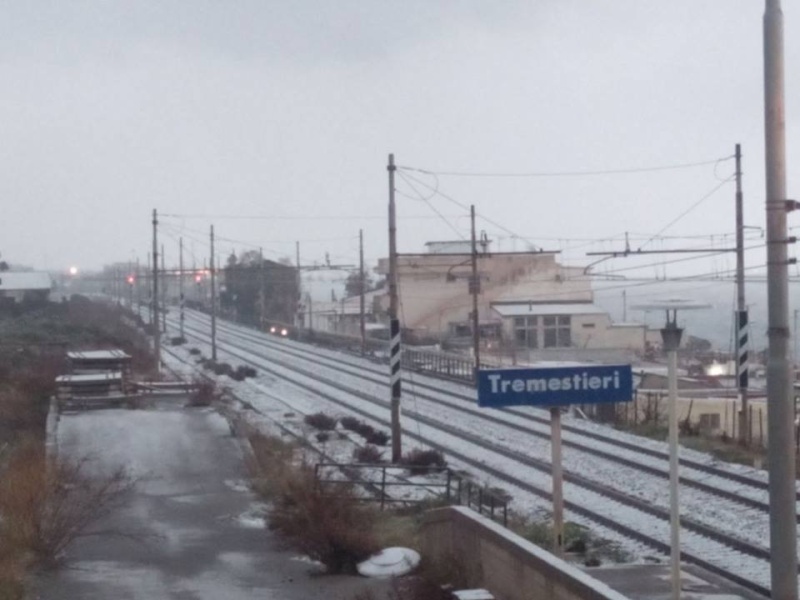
(271,459)
(48,503)
(321,421)
(420,461)
(368,454)
(325,521)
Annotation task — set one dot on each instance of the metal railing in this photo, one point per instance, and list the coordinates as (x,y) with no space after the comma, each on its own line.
(451,488)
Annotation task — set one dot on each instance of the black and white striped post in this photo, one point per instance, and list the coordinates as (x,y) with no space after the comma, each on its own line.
(394,323)
(742,352)
(741,308)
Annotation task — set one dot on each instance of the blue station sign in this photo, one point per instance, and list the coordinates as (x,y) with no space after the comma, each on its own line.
(555,386)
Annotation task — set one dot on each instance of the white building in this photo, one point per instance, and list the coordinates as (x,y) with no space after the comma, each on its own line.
(529,305)
(25,286)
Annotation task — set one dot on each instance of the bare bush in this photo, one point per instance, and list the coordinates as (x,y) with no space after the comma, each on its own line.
(368,454)
(48,503)
(321,421)
(326,522)
(420,461)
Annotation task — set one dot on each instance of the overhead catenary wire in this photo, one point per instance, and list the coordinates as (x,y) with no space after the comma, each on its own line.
(431,206)
(576,173)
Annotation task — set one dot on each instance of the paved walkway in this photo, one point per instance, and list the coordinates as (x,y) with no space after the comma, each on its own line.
(198,532)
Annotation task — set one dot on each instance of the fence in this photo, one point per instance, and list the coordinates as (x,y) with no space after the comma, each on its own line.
(452,487)
(698,415)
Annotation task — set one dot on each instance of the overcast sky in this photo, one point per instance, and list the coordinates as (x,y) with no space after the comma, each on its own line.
(273,121)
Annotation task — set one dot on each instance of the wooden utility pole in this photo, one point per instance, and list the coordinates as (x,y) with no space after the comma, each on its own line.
(363,290)
(394,323)
(213,301)
(741,307)
(154,312)
(475,289)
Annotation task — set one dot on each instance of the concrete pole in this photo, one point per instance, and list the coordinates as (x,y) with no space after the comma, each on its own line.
(213,301)
(671,337)
(181,276)
(741,308)
(782,476)
(262,296)
(299,280)
(363,291)
(163,292)
(474,290)
(154,312)
(394,323)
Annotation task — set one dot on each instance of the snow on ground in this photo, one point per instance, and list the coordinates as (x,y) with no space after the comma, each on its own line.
(650,488)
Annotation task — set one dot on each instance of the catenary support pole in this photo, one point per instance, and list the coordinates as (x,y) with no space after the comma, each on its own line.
(741,307)
(154,311)
(362,319)
(213,300)
(163,292)
(782,475)
(394,323)
(298,280)
(181,293)
(262,293)
(474,290)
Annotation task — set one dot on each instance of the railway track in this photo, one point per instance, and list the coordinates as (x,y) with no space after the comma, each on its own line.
(495,446)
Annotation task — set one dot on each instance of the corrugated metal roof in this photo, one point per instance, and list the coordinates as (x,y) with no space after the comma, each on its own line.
(114,355)
(90,377)
(13,281)
(523,309)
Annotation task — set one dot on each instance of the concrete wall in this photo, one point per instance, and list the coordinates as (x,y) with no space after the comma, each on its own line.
(506,564)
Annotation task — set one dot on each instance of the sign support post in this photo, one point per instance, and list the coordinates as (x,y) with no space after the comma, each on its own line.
(554,387)
(558,480)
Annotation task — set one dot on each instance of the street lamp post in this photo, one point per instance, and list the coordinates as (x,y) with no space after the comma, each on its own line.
(671,338)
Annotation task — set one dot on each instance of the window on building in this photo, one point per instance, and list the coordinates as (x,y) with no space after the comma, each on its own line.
(526,332)
(557,331)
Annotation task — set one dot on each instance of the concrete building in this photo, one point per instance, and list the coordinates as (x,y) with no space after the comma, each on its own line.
(530,306)
(25,286)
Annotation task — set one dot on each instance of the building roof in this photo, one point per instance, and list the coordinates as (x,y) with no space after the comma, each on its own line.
(523,309)
(105,377)
(13,281)
(98,355)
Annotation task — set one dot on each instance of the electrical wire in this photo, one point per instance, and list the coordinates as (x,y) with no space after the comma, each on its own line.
(433,208)
(466,208)
(623,171)
(690,209)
